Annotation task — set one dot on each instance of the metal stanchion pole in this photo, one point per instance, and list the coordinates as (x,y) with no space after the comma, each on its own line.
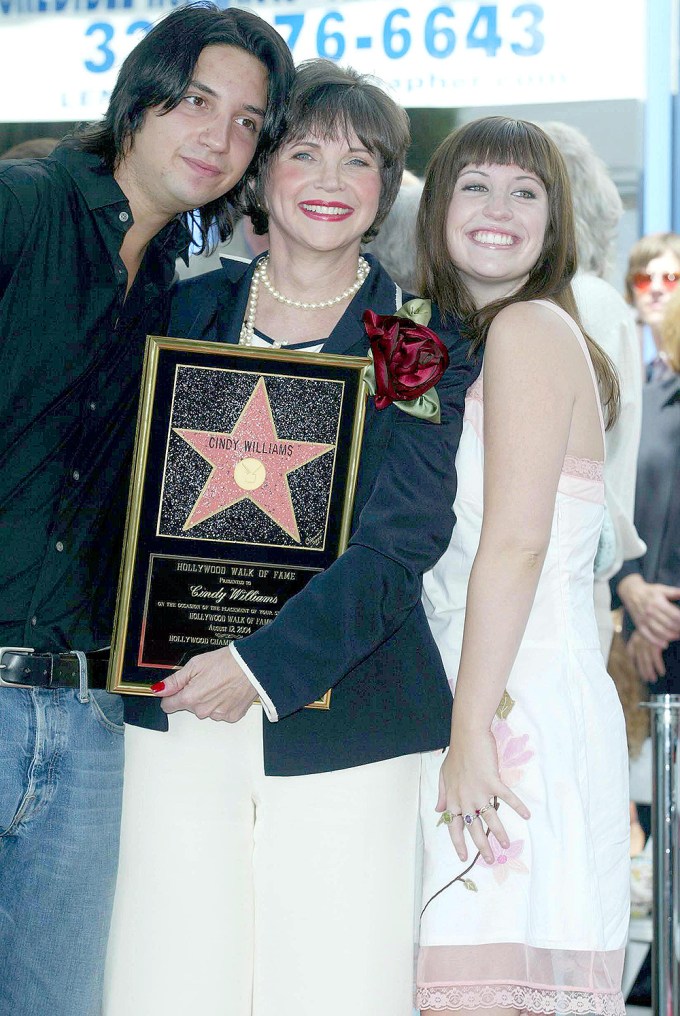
(665,817)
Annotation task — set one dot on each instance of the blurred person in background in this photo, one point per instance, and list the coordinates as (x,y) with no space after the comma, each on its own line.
(649,587)
(607,319)
(395,244)
(34,148)
(652,276)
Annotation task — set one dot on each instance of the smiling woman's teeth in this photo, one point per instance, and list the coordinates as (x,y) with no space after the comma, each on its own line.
(325,209)
(497,239)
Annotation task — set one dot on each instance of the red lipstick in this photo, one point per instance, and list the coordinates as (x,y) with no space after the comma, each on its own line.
(337,210)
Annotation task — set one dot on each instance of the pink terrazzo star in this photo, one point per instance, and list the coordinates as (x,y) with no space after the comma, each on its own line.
(250,462)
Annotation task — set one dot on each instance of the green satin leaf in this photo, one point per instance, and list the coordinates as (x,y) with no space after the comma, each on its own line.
(425,408)
(369,374)
(416,310)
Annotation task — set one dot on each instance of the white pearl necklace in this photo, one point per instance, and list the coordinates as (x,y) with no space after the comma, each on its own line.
(260,275)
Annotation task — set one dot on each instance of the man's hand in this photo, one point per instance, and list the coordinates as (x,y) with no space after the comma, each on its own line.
(211,685)
(647,658)
(651,606)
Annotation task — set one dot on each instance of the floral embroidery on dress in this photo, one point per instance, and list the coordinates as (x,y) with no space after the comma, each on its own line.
(506,859)
(513,753)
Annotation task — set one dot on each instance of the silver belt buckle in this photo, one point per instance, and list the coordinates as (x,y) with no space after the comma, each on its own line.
(12,649)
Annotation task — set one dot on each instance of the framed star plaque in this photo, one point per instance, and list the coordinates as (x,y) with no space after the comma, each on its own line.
(242,491)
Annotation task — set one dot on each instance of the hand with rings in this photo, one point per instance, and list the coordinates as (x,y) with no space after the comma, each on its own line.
(470,789)
(468,817)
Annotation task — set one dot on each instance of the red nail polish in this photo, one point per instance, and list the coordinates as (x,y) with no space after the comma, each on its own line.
(160,686)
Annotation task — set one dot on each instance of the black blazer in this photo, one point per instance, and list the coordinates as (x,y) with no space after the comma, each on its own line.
(657,505)
(358,627)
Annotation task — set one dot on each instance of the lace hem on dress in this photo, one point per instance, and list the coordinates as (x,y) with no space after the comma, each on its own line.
(442,998)
(514,975)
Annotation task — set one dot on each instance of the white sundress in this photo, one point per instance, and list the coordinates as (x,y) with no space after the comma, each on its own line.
(543,929)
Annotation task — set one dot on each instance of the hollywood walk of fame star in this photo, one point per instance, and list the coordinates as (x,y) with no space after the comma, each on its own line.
(244,465)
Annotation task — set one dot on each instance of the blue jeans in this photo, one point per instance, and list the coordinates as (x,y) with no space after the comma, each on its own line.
(61,780)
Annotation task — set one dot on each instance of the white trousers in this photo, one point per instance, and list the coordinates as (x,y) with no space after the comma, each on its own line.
(241,894)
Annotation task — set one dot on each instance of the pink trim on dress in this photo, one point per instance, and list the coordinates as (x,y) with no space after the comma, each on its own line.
(476,390)
(583,469)
(523,997)
(579,468)
(516,976)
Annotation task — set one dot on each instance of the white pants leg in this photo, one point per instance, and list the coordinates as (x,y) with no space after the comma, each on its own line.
(182,929)
(246,895)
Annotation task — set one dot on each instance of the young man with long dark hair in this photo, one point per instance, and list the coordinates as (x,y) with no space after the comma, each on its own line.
(88,242)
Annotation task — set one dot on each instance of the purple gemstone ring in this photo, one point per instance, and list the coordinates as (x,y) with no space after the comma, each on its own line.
(468,818)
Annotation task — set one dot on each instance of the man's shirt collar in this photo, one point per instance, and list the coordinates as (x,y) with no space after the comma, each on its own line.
(100,190)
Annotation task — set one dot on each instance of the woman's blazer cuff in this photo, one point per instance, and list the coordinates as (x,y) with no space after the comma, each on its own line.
(267,704)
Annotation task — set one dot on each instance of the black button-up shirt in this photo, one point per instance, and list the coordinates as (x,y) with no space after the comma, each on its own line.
(71,350)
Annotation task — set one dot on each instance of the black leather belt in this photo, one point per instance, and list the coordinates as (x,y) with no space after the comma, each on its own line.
(26,668)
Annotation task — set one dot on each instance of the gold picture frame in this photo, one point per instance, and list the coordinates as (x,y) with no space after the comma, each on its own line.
(243,481)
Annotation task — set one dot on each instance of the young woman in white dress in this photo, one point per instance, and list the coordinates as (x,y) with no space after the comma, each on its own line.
(525,823)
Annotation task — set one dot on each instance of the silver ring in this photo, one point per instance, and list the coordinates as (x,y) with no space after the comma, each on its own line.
(468,818)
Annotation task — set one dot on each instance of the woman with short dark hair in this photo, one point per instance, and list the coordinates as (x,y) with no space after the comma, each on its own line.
(329,100)
(288,847)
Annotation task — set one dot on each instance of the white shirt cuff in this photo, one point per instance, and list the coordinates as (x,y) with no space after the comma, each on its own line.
(267,704)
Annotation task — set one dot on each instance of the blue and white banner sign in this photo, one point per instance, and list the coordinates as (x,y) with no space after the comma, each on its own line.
(59,58)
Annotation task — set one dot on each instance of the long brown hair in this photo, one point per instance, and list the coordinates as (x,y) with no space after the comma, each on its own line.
(504,141)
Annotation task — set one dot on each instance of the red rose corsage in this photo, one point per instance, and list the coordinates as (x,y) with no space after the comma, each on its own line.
(408,360)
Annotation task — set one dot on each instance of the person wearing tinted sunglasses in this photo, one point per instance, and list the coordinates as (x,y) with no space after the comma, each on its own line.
(653,274)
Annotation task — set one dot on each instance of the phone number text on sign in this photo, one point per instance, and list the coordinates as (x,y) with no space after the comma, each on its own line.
(363,36)
(439,31)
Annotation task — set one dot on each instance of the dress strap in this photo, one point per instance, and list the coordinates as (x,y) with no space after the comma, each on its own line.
(584,346)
